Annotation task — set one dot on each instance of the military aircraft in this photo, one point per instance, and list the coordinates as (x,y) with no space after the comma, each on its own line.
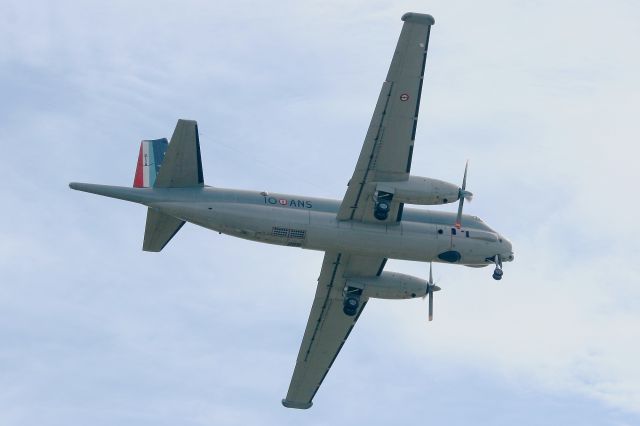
(358,234)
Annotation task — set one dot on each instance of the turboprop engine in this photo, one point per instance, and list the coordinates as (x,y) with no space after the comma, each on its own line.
(389,285)
(421,190)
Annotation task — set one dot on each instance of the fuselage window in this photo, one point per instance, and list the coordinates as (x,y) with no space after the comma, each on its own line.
(467,233)
(439,231)
(453,231)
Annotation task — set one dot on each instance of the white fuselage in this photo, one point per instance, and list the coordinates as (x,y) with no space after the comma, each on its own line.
(311,223)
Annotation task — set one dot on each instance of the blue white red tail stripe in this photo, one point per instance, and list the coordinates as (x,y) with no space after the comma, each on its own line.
(149,161)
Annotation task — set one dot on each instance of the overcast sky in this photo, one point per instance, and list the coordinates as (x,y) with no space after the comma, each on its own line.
(542,98)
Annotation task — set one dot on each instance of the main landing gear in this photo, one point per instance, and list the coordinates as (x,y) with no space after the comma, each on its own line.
(382,205)
(351,300)
(497,273)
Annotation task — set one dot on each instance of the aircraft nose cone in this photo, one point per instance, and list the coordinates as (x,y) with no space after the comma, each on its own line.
(508,249)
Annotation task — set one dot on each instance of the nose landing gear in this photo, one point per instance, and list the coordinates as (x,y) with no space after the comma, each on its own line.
(497,273)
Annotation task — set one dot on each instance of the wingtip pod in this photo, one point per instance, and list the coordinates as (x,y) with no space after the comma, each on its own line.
(298,405)
(418,18)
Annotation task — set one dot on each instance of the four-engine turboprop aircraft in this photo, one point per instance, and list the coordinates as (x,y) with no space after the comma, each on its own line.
(357,234)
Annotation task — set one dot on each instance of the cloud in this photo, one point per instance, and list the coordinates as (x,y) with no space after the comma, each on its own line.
(542,98)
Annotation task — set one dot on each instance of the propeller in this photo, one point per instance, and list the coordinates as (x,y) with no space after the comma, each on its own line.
(431,287)
(462,195)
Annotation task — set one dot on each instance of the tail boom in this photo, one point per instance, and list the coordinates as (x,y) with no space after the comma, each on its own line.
(181,173)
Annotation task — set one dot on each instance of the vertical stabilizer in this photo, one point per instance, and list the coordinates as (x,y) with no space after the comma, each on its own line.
(149,161)
(182,167)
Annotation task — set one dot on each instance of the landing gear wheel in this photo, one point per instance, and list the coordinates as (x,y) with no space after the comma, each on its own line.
(381,211)
(382,205)
(497,273)
(351,301)
(350,307)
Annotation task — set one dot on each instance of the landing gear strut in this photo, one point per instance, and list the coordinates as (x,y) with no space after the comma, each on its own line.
(351,300)
(497,273)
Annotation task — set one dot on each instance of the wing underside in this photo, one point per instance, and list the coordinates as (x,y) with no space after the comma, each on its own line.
(328,326)
(388,146)
(385,157)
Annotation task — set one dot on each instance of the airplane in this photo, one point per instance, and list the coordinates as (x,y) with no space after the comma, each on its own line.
(357,234)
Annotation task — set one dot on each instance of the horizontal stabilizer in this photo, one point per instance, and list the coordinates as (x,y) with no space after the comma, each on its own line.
(135,195)
(159,230)
(182,164)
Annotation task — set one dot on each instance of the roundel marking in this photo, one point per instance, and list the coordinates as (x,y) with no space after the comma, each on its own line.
(404,97)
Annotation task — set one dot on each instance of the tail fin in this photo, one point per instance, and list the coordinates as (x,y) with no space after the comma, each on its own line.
(149,161)
(181,167)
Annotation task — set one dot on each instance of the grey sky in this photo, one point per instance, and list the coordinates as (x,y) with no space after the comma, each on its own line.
(542,97)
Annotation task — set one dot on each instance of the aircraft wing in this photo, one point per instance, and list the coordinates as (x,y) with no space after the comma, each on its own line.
(328,326)
(388,146)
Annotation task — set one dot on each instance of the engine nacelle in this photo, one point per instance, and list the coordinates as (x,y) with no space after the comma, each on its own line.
(390,285)
(421,190)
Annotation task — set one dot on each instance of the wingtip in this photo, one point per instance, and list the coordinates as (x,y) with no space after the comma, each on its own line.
(298,405)
(418,18)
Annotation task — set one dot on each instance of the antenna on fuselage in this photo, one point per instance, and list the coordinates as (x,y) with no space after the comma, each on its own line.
(462,195)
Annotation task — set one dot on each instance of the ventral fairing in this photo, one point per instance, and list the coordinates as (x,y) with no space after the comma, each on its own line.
(371,224)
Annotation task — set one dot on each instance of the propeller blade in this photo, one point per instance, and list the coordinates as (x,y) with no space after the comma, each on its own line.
(463,193)
(464,178)
(431,287)
(430,305)
(459,216)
